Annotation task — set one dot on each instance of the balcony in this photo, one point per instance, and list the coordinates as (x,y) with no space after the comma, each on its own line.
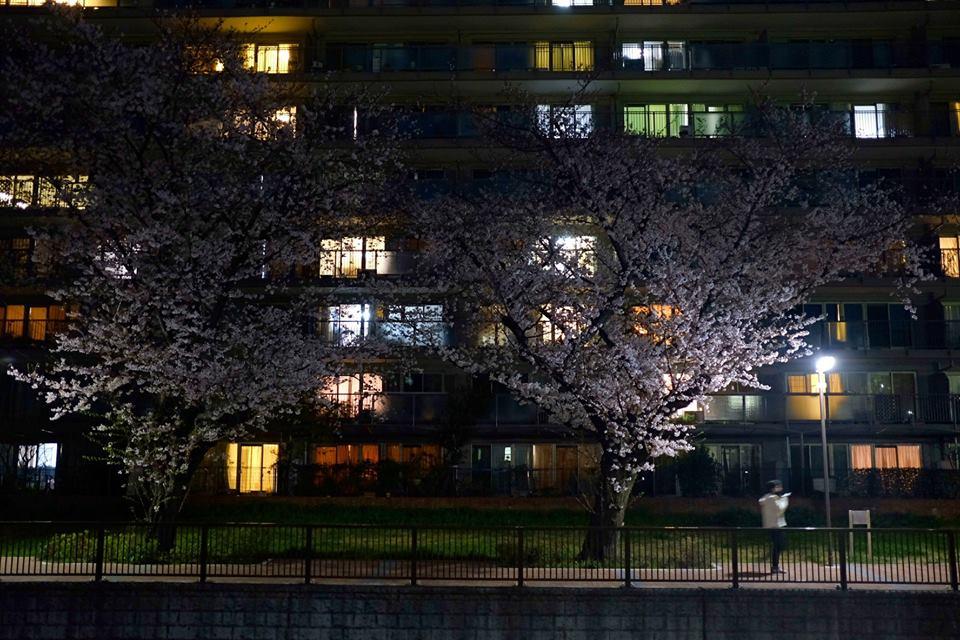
(657,120)
(433,409)
(642,57)
(30,330)
(874,409)
(503,410)
(558,5)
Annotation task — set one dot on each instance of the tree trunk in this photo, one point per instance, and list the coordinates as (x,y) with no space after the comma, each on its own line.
(163,510)
(164,528)
(608,511)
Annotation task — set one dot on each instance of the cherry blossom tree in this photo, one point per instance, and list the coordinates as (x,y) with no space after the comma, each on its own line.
(207,189)
(616,280)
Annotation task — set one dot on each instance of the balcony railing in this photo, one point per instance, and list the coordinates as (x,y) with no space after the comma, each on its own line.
(642,57)
(559,5)
(660,121)
(430,409)
(886,409)
(30,330)
(354,263)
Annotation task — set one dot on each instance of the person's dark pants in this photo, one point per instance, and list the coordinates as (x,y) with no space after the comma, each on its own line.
(778,542)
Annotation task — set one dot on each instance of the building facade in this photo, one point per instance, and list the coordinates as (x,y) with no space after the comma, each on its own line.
(681,70)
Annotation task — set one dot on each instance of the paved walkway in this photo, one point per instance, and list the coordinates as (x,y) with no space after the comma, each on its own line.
(805,575)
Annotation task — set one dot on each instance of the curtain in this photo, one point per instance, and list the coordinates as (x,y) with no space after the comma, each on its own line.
(797,384)
(583,54)
(14,322)
(325,456)
(908,456)
(38,323)
(542,55)
(861,457)
(251,469)
(562,56)
(232,466)
(886,457)
(950,257)
(370,453)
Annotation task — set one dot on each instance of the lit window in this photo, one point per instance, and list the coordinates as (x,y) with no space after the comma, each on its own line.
(654,55)
(657,120)
(348,257)
(559,121)
(40,3)
(353,394)
(901,456)
(61,191)
(16,191)
(567,254)
(556,324)
(286,117)
(870,121)
(282,119)
(347,454)
(415,325)
(564,56)
(345,324)
(654,320)
(37,465)
(271,58)
(572,3)
(808,383)
(950,256)
(252,467)
(649,3)
(13,316)
(491,332)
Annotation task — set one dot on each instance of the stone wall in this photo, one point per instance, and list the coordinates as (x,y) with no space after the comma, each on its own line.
(135,610)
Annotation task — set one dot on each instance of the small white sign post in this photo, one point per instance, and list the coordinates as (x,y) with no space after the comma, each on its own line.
(861,519)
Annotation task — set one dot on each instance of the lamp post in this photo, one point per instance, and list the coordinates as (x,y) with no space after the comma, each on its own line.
(824,364)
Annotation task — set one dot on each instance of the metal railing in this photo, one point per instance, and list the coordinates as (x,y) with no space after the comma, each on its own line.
(660,121)
(629,556)
(545,4)
(397,407)
(862,408)
(639,56)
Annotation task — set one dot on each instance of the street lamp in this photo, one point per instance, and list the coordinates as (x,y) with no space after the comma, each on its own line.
(824,364)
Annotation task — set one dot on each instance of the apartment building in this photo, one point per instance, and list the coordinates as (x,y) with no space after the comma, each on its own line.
(681,70)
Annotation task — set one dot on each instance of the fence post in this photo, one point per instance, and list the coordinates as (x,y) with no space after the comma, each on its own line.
(627,560)
(519,556)
(413,556)
(952,553)
(308,555)
(842,547)
(204,535)
(735,559)
(98,559)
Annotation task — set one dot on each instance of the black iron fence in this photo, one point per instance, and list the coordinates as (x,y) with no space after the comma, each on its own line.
(511,555)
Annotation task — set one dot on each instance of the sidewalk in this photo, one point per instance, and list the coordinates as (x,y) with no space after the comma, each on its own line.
(800,575)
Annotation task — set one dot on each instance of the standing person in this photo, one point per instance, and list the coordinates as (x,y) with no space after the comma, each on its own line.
(773,506)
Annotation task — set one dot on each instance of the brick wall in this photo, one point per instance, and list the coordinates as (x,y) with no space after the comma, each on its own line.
(273,612)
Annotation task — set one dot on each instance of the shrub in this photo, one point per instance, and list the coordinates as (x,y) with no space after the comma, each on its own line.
(698,474)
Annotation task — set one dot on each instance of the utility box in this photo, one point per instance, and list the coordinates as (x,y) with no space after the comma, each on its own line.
(860,519)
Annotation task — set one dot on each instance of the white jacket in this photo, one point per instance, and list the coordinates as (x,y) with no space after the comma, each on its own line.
(772,508)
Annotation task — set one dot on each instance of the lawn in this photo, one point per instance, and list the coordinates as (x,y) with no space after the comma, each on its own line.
(486,545)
